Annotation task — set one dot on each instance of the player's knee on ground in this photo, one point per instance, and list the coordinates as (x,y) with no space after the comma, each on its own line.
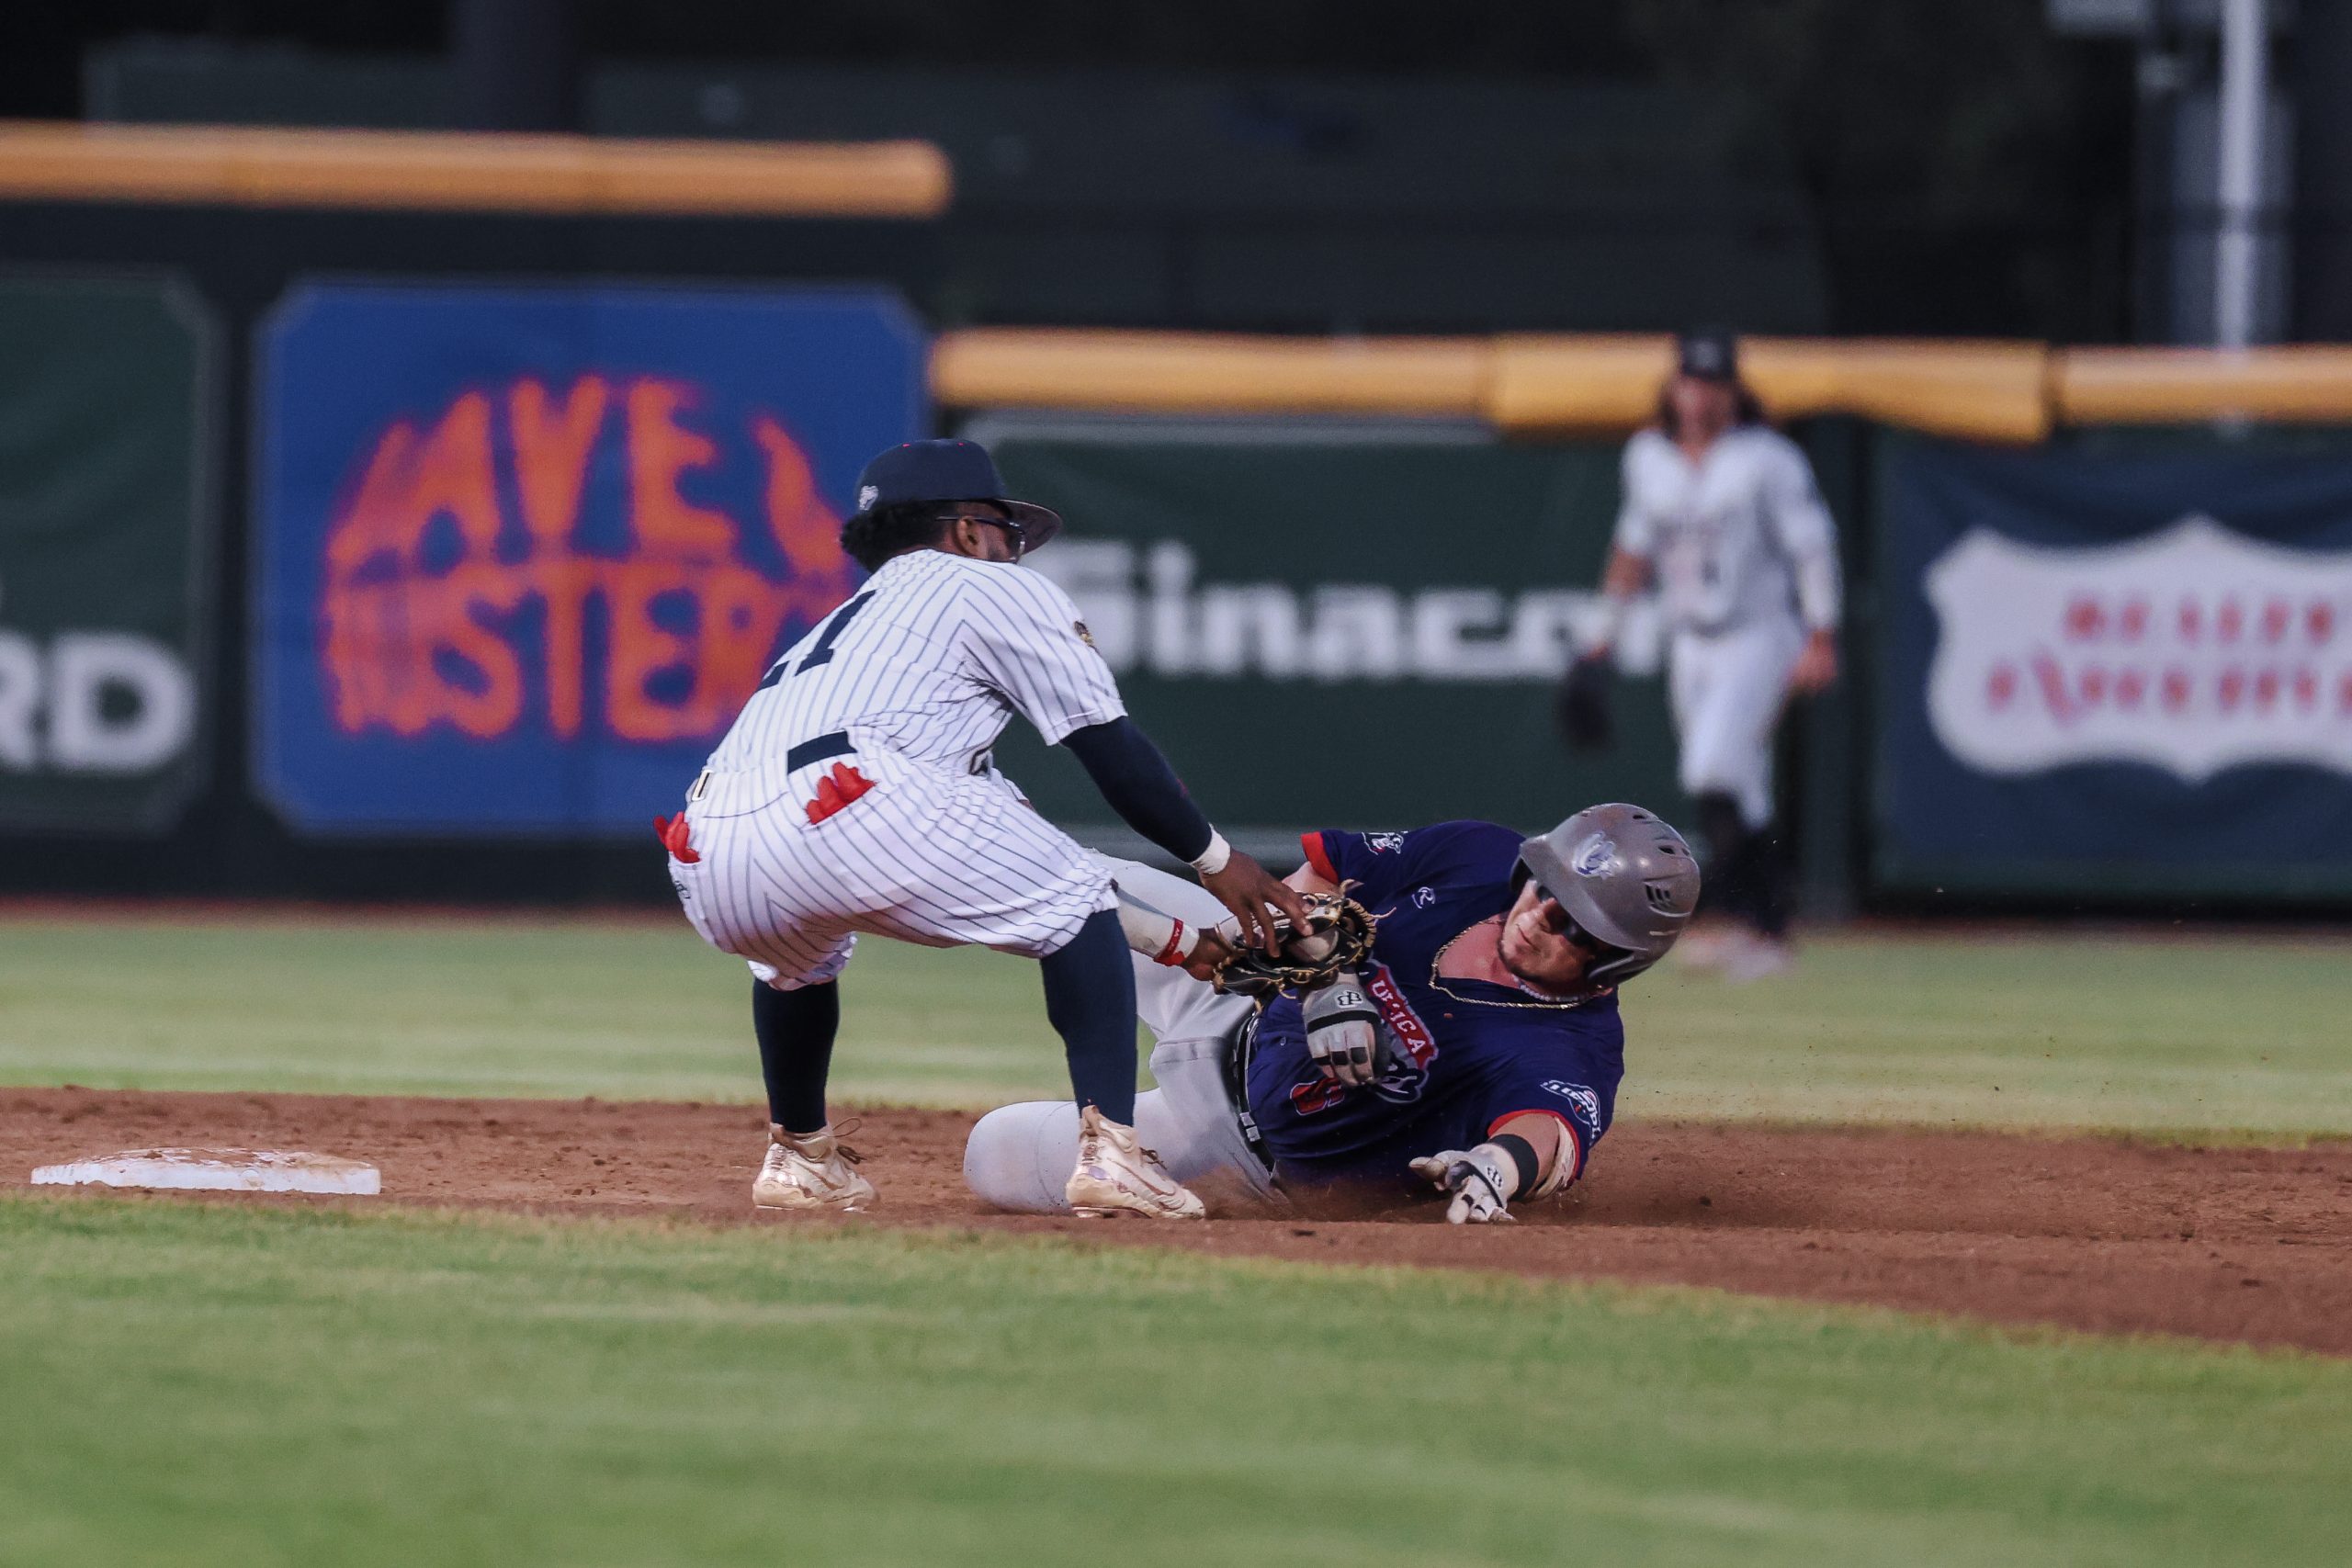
(1020,1157)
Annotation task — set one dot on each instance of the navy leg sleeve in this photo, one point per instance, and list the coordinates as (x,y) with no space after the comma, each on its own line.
(796,1031)
(1090,1001)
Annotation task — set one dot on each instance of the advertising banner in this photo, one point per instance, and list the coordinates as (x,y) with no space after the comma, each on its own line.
(104,551)
(2118,675)
(523,552)
(1332,633)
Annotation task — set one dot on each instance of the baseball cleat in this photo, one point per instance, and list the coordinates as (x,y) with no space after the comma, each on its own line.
(1116,1175)
(810,1171)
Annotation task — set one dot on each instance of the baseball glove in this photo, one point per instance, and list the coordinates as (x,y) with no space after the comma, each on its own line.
(1338,939)
(1583,707)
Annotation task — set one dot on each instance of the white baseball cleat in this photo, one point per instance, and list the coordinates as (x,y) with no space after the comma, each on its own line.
(809,1170)
(1116,1175)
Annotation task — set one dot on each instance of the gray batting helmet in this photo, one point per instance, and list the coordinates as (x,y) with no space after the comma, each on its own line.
(1625,878)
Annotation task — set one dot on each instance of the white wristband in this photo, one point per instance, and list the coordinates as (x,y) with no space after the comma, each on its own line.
(1211,861)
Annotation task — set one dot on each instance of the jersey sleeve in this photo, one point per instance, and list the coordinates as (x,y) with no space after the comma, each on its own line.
(1636,532)
(1558,1085)
(1807,535)
(1028,643)
(1384,863)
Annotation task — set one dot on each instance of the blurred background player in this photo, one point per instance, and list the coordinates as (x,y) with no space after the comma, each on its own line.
(1721,513)
(857,793)
(1478,1051)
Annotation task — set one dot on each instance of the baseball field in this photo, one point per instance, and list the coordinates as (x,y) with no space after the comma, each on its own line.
(1998,1246)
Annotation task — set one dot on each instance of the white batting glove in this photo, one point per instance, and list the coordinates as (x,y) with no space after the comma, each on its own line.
(1343,1032)
(1481,1180)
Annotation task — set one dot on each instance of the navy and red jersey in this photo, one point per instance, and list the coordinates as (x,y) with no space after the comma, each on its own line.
(1471,1054)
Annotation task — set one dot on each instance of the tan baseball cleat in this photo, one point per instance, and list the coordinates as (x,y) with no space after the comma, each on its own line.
(810,1171)
(1116,1175)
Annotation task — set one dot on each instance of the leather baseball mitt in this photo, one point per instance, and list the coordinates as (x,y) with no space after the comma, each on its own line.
(1337,939)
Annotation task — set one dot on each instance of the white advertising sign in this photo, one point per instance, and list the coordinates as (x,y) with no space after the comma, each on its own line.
(2194,649)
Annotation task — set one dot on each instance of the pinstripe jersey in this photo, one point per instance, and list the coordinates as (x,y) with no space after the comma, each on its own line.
(1740,537)
(930,659)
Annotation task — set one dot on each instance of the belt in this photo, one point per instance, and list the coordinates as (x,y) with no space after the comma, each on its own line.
(1241,1051)
(824,747)
(818,750)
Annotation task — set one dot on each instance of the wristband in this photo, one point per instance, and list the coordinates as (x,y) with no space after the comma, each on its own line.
(1211,861)
(1172,952)
(1522,1155)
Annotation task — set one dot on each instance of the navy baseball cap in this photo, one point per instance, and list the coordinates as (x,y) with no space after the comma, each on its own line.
(948,470)
(1711,354)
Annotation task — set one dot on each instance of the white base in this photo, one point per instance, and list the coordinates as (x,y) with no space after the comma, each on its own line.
(217,1170)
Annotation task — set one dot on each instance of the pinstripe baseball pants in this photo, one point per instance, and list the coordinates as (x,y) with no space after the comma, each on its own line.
(926,855)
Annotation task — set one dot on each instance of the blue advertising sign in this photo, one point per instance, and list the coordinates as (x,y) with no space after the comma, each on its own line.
(2116,675)
(523,553)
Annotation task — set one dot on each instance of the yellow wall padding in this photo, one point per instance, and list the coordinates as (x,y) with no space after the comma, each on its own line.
(2178,385)
(1980,392)
(1599,385)
(1147,372)
(447,171)
(1604,384)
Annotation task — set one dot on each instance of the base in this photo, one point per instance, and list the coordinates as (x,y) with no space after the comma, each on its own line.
(217,1170)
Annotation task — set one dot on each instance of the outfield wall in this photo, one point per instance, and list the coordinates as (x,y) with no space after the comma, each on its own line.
(422,551)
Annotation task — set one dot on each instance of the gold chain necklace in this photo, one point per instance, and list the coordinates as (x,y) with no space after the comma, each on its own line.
(1437,981)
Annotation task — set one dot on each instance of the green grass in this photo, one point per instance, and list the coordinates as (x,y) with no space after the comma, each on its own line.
(2234,1035)
(202,1385)
(2226,1035)
(638,1010)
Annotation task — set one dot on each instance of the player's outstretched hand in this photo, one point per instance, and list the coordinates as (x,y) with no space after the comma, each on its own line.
(1208,955)
(1480,1179)
(1246,887)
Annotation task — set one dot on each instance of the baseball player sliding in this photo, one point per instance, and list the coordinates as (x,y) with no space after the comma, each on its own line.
(1722,511)
(857,793)
(1476,1050)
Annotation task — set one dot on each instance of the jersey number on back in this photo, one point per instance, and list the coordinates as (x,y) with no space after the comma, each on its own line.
(822,653)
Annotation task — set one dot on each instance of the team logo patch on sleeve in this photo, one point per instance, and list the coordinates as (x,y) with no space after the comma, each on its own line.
(1587,1102)
(1383,843)
(1083,635)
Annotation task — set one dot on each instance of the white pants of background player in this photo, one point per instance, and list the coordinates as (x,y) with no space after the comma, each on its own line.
(1020,1156)
(1727,689)
(928,856)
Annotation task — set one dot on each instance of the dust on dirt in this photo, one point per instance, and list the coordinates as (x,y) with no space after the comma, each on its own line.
(2226,1244)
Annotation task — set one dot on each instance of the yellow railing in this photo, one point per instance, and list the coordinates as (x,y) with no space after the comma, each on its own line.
(1607,384)
(471,172)
(1986,391)
(2299,384)
(1146,372)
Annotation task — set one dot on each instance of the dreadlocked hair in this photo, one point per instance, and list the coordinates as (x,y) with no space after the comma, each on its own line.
(872,538)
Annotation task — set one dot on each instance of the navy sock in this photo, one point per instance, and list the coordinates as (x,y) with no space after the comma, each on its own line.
(796,1031)
(1090,1001)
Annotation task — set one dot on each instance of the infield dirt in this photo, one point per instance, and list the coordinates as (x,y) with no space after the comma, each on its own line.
(2227,1244)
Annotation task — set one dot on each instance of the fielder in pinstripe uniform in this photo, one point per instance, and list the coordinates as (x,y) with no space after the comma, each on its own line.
(856,794)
